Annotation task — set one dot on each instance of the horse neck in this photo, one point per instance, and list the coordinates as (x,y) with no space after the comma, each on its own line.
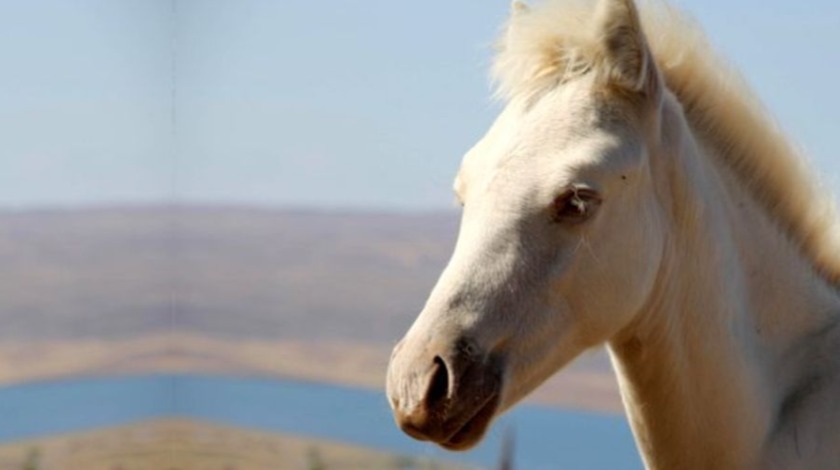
(706,367)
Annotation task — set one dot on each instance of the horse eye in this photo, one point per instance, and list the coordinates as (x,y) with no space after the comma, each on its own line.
(575,205)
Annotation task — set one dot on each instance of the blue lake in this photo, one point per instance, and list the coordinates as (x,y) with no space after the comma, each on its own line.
(545,438)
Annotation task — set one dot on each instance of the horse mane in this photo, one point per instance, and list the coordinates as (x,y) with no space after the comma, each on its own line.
(554,42)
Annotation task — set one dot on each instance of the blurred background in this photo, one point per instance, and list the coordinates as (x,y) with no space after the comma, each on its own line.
(217,217)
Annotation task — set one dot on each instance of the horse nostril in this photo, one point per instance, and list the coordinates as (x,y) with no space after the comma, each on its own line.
(439,385)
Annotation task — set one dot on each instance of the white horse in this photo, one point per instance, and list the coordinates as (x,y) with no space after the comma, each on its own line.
(633,193)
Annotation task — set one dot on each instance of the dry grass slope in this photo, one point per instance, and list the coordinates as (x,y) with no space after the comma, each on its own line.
(317,296)
(184,445)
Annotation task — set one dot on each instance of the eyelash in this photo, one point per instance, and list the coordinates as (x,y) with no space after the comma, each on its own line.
(575,205)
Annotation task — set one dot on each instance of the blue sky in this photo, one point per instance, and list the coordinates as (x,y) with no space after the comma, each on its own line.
(328,103)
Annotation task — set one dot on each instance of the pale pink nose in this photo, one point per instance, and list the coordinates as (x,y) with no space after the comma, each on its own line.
(425,418)
(444,391)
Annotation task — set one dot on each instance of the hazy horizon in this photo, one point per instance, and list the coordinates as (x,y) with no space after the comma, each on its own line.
(224,205)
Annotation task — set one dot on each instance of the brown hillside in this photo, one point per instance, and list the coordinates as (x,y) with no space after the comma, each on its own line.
(316,296)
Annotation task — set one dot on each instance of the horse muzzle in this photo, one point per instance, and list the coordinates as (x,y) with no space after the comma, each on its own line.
(445,394)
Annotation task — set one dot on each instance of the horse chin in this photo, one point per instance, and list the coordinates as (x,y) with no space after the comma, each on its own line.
(473,431)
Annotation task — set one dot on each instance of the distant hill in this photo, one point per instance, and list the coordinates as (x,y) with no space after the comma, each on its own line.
(225,271)
(308,295)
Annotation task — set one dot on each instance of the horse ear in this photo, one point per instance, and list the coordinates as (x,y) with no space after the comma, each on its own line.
(627,57)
